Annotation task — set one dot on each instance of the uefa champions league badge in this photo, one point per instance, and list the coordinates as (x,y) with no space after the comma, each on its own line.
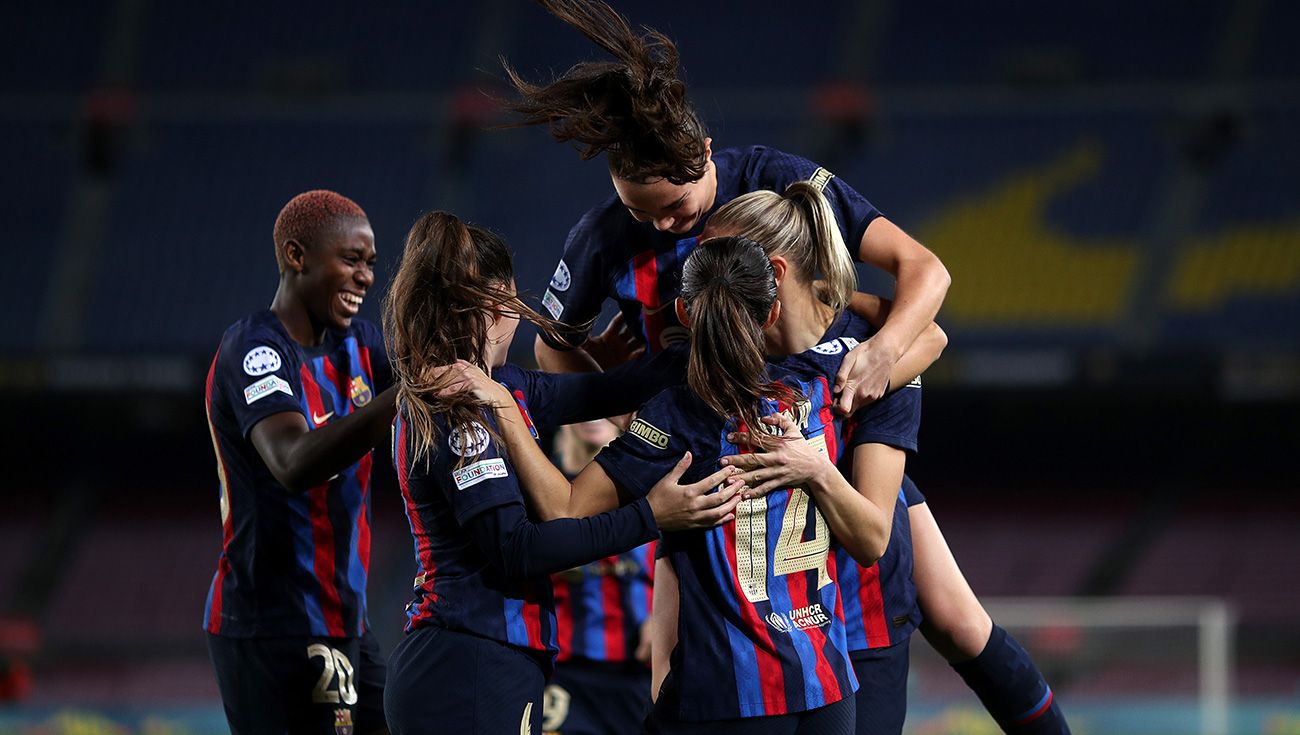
(469,441)
(360,392)
(561,280)
(261,360)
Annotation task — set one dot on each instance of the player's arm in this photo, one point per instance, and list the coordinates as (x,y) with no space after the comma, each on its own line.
(859,513)
(922,283)
(300,458)
(922,353)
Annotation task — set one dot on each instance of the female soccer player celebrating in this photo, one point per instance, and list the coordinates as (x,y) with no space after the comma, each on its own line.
(881,603)
(481,627)
(668,179)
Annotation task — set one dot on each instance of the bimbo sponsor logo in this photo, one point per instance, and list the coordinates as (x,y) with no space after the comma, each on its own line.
(649,433)
(800,618)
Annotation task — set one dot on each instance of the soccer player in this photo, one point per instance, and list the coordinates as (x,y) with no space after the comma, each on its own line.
(668,179)
(297,396)
(602,674)
(481,628)
(885,602)
(762,646)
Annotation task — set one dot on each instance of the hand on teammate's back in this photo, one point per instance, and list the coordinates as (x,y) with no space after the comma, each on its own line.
(615,345)
(681,507)
(466,377)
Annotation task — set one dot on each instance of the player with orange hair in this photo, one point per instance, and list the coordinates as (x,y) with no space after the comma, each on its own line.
(297,396)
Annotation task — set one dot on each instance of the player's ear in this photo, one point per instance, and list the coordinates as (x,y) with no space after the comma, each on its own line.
(680,308)
(773,314)
(779,266)
(295,255)
(708,148)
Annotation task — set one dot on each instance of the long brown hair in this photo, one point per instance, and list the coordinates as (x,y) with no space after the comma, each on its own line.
(452,275)
(800,226)
(728,288)
(634,109)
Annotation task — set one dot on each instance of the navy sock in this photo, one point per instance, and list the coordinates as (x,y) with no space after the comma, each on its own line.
(1012,688)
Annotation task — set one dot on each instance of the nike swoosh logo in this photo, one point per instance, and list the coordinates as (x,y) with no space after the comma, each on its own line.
(322,418)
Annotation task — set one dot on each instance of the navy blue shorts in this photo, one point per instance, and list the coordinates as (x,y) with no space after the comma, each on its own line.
(882,688)
(300,684)
(447,682)
(832,719)
(596,698)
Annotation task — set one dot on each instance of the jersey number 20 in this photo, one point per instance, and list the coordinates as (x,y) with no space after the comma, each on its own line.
(336,663)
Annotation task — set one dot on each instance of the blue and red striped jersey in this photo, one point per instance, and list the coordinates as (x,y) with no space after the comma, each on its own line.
(291,563)
(457,586)
(601,606)
(609,254)
(880,605)
(761,624)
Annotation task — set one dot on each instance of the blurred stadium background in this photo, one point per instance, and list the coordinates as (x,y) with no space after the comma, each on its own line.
(1113,185)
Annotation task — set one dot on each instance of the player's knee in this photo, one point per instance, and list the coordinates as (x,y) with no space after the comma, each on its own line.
(958,634)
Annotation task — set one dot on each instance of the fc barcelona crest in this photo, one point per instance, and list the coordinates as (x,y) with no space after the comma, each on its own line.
(361,394)
(343,722)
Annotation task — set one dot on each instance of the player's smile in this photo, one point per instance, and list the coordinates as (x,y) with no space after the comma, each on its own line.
(344,267)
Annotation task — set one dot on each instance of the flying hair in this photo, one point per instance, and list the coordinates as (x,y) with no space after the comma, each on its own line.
(453,278)
(799,226)
(634,109)
(310,217)
(728,288)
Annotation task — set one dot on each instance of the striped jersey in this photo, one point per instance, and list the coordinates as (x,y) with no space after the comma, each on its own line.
(880,605)
(601,606)
(761,624)
(609,254)
(291,564)
(457,586)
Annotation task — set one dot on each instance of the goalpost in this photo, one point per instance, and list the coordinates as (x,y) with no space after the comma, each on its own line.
(1121,662)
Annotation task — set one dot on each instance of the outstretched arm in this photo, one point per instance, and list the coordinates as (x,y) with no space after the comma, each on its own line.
(300,458)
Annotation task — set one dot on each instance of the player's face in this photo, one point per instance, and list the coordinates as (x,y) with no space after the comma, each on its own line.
(675,208)
(500,333)
(340,270)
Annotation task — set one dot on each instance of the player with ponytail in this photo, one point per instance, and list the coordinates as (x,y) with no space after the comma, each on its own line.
(481,627)
(668,179)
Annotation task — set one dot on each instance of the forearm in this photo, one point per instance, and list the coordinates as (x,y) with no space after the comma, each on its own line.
(546,489)
(922,283)
(527,549)
(563,361)
(859,524)
(919,356)
(313,457)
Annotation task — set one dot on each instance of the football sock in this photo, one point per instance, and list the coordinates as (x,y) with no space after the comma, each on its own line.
(1012,688)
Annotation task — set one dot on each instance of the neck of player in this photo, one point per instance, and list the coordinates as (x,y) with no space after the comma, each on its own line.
(804,319)
(296,318)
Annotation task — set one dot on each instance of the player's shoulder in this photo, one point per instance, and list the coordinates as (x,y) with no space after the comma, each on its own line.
(768,167)
(608,223)
(257,343)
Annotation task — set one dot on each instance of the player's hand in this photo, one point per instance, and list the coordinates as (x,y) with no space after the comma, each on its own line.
(863,377)
(680,507)
(615,345)
(466,377)
(792,462)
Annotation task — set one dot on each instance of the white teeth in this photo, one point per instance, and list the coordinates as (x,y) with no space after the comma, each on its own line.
(352,299)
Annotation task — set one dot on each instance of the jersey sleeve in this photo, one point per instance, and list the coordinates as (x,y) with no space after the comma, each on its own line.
(555,399)
(470,469)
(644,453)
(577,288)
(259,375)
(852,210)
(894,420)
